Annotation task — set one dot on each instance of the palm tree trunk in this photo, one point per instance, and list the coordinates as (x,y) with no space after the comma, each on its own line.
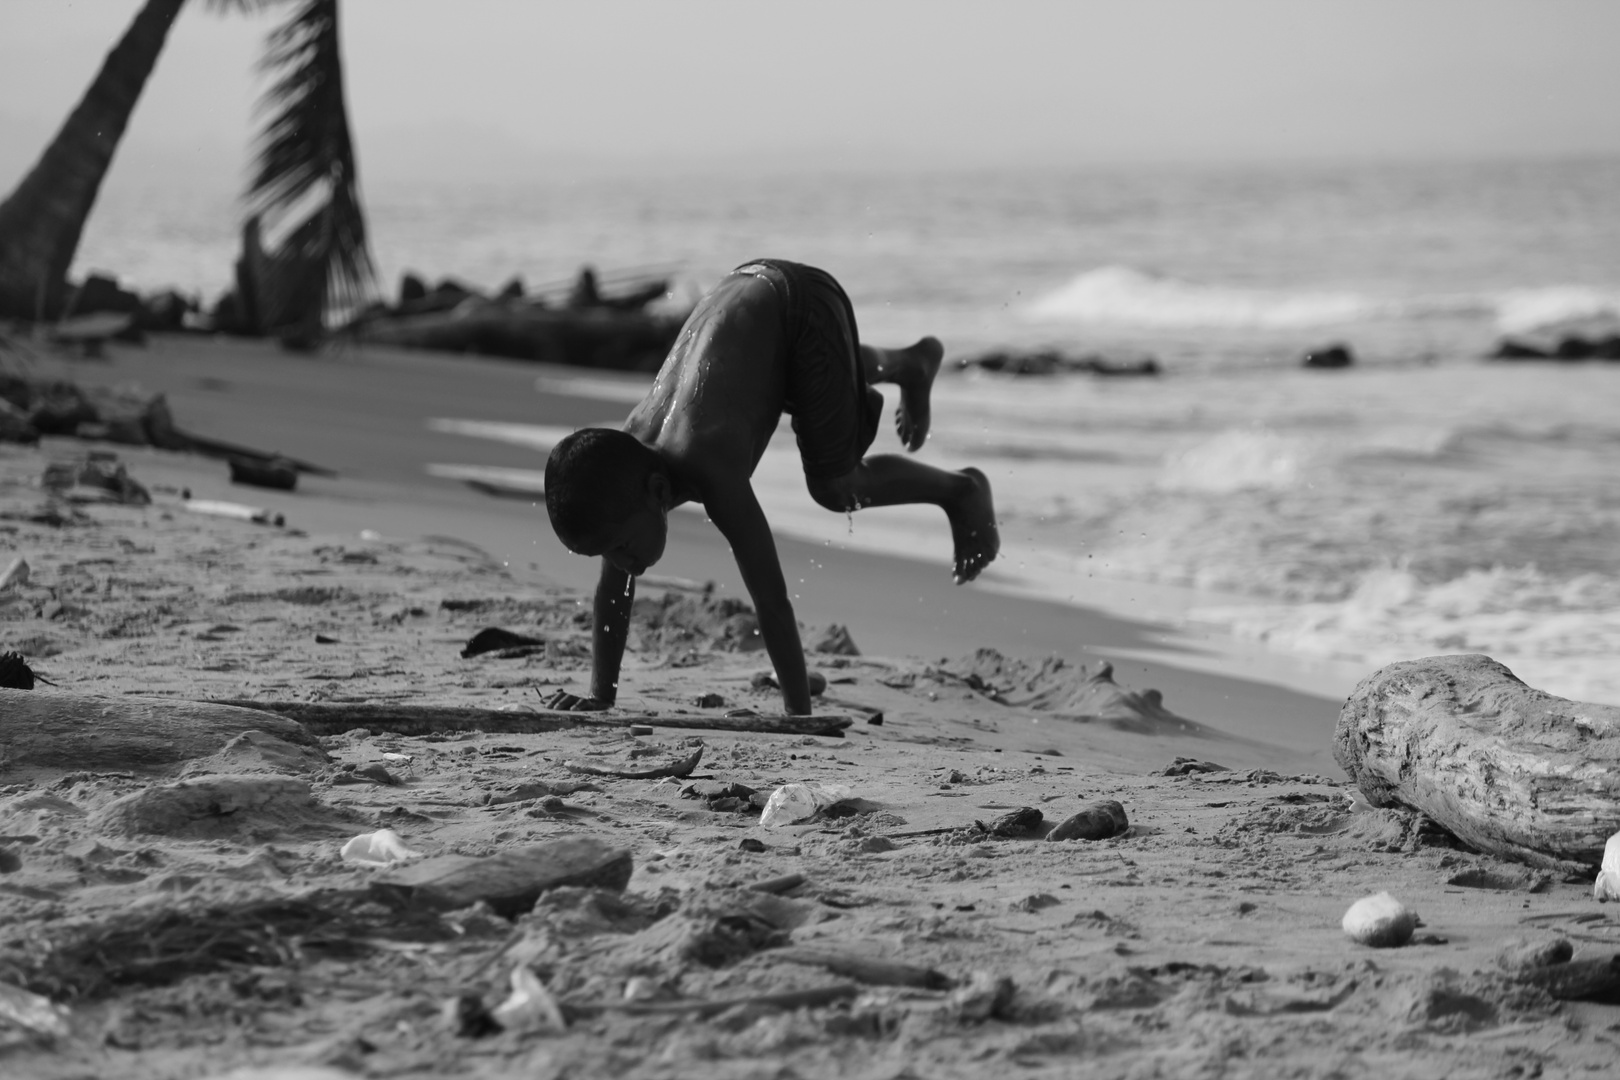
(41,222)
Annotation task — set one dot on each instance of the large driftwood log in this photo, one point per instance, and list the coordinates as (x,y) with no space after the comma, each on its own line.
(1508,769)
(334,718)
(49,729)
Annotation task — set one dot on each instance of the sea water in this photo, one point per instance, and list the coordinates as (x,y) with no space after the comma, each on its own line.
(1424,501)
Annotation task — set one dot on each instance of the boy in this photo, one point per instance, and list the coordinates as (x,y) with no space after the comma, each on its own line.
(772,337)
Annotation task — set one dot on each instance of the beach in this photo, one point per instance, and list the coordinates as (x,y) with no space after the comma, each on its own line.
(1204,939)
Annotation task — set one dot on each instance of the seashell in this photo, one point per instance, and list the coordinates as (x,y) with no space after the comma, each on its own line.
(1380,921)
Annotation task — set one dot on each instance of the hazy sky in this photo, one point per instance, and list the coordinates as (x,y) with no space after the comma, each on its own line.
(463,90)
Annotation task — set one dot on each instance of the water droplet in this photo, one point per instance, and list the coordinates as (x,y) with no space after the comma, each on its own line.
(629,581)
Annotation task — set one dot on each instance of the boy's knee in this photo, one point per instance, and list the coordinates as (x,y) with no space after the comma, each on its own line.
(833,493)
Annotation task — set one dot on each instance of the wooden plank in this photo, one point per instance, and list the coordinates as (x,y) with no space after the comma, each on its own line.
(334,718)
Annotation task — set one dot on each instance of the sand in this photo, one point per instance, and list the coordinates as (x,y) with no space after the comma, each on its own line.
(1205,940)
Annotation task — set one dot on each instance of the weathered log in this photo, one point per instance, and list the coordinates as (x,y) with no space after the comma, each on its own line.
(1506,768)
(47,729)
(869,970)
(333,718)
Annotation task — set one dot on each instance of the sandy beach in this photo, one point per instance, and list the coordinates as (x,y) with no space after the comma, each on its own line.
(1202,940)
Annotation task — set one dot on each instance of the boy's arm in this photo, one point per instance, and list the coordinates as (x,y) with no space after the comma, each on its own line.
(736,513)
(615,591)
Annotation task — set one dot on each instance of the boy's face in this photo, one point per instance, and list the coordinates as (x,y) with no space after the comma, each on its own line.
(632,544)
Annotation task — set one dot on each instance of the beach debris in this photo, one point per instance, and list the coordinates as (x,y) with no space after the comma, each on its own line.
(277,473)
(258,515)
(1099,821)
(15,674)
(1014,824)
(541,789)
(1380,921)
(639,730)
(778,885)
(672,622)
(709,700)
(1515,879)
(1461,740)
(96,477)
(1590,979)
(509,881)
(1524,953)
(864,969)
(15,427)
(335,718)
(38,1017)
(16,575)
(766,680)
(679,768)
(215,807)
(384,847)
(505,642)
(791,804)
(80,731)
(1607,885)
(726,798)
(1186,766)
(530,1006)
(1328,356)
(835,641)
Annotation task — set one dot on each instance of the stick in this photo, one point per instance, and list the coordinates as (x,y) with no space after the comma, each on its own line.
(679,769)
(792,999)
(216,448)
(862,969)
(778,885)
(334,718)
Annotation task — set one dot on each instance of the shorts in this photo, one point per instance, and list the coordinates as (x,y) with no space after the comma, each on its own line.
(835,413)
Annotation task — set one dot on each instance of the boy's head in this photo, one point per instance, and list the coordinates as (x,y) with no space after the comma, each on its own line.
(607,494)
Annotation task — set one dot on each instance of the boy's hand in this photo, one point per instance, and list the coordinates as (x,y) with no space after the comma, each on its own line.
(563,701)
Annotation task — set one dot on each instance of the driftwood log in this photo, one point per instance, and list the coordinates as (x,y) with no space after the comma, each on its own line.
(334,718)
(1507,769)
(49,729)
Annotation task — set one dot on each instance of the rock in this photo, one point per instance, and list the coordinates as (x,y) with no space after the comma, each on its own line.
(1507,769)
(1332,356)
(101,293)
(835,641)
(1054,362)
(411,288)
(510,881)
(1596,978)
(766,680)
(1607,885)
(217,807)
(1186,766)
(1015,823)
(98,476)
(1380,921)
(1098,821)
(1524,953)
(495,639)
(15,674)
(512,290)
(276,473)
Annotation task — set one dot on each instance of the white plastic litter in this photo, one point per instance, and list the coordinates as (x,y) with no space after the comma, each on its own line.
(1380,921)
(1607,885)
(530,1006)
(36,1015)
(381,848)
(793,803)
(16,574)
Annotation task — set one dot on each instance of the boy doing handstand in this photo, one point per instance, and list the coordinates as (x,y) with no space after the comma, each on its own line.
(772,337)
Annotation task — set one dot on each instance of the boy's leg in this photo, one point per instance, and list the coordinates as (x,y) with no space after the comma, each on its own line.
(912,370)
(891,480)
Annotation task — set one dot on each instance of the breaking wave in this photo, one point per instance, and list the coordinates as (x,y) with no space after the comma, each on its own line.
(1125,295)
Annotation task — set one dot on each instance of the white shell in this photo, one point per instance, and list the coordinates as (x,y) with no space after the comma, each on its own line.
(1380,921)
(381,848)
(1607,885)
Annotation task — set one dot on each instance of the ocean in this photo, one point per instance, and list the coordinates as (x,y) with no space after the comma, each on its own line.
(1424,501)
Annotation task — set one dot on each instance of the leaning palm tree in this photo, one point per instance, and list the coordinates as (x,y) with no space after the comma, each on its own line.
(305,165)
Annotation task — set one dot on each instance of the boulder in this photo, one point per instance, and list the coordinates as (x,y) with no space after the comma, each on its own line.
(1331,356)
(1507,769)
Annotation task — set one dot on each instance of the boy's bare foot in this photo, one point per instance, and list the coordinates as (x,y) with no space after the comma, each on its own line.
(913,370)
(973,529)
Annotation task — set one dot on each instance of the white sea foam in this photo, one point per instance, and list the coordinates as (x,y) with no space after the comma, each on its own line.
(1237,460)
(1124,295)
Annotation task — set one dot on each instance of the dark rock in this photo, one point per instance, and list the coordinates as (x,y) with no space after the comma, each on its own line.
(1013,824)
(165,311)
(835,641)
(411,288)
(1098,821)
(1332,356)
(1572,348)
(277,473)
(1054,362)
(512,290)
(493,639)
(101,293)
(1511,349)
(1525,953)
(15,674)
(15,427)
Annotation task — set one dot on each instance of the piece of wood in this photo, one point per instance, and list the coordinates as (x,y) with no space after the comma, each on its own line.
(51,729)
(334,718)
(678,769)
(791,999)
(509,881)
(1507,769)
(865,969)
(1577,980)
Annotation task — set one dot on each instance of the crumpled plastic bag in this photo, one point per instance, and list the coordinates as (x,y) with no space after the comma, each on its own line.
(381,848)
(793,803)
(1607,885)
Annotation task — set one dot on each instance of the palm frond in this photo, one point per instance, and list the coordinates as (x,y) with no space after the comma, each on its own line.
(305,154)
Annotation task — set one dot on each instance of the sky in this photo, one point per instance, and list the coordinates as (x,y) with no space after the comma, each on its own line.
(491,90)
